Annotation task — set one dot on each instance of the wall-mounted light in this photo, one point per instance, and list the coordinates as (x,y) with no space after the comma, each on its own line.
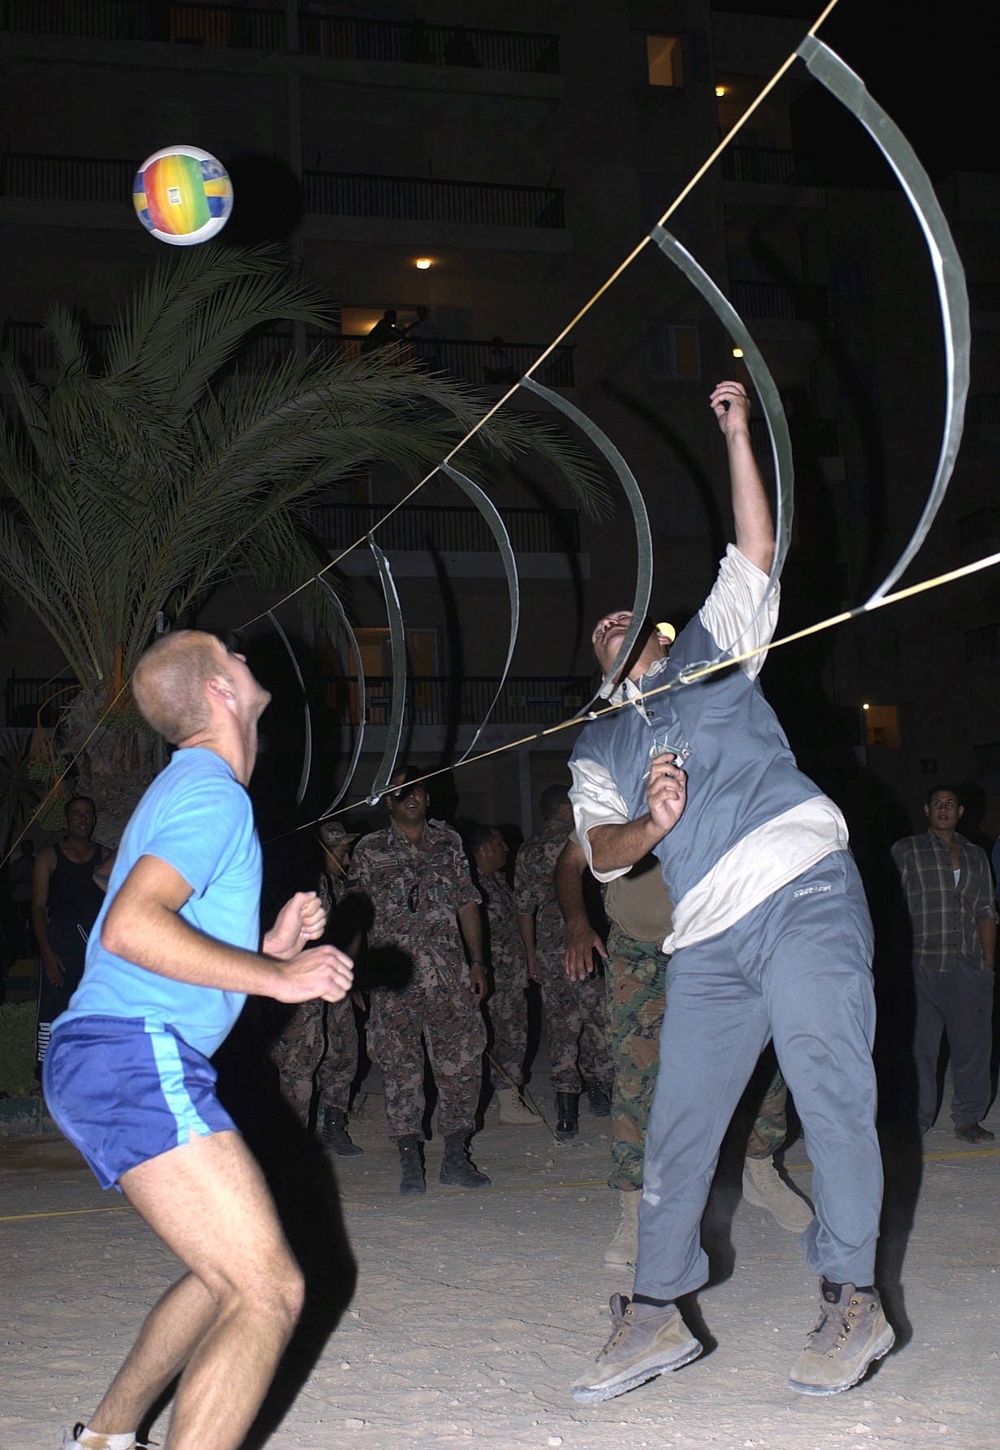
(422,264)
(720,91)
(866,706)
(737,352)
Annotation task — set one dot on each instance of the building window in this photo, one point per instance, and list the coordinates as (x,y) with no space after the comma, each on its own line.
(663,60)
(881,727)
(982,643)
(972,529)
(987,758)
(677,352)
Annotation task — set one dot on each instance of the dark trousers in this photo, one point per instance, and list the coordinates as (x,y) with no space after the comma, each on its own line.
(960,1005)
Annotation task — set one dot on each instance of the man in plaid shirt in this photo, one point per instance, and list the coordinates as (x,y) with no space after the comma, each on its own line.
(949,895)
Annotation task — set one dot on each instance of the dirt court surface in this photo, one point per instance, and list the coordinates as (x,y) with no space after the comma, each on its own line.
(473,1310)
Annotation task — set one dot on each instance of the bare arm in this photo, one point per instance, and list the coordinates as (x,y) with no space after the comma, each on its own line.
(471,925)
(751,509)
(613,847)
(143,926)
(581,938)
(45,864)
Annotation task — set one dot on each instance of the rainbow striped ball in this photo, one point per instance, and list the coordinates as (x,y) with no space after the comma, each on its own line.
(182,195)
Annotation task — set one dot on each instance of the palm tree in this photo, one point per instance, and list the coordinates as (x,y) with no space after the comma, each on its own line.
(145,477)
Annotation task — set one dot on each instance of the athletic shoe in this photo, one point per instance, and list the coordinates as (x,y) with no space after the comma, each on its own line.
(646,1341)
(851,1334)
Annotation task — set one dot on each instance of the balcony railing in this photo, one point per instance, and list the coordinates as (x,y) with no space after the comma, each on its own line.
(263,28)
(982,643)
(451,530)
(32,345)
(412,198)
(760,164)
(35,700)
(818,437)
(770,301)
(325,193)
(440,700)
(974,529)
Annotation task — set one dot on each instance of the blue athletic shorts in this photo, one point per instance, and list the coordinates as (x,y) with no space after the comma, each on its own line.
(123,1091)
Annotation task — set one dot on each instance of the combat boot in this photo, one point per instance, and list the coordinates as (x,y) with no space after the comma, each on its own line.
(623,1249)
(599,1098)
(335,1137)
(411,1163)
(851,1334)
(457,1168)
(764,1187)
(514,1111)
(567,1108)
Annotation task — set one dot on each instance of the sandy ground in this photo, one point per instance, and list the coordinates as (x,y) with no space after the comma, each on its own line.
(472,1311)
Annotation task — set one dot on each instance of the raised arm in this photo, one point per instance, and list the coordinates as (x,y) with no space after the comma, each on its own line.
(751,510)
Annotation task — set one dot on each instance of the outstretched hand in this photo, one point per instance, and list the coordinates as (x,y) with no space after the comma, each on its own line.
(302,919)
(666,792)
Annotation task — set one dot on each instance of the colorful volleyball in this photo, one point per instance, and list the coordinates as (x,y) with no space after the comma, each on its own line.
(182,195)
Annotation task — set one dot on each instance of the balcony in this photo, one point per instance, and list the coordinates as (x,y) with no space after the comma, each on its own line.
(772,302)
(450,530)
(764,187)
(527,701)
(470,361)
(759,165)
(34,700)
(341,206)
(264,29)
(455,203)
(811,437)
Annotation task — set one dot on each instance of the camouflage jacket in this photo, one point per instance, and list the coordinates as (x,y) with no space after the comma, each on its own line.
(533,889)
(415,893)
(506,949)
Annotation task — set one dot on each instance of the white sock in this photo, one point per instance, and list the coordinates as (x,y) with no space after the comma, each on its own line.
(94,1440)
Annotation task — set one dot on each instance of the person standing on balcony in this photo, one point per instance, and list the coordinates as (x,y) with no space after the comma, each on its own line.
(506,1005)
(384,333)
(574,1010)
(65,902)
(424,905)
(424,337)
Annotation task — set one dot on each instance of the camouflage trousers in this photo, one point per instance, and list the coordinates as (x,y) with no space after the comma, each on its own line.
(506,1011)
(636,998)
(317,1049)
(438,1010)
(574,1027)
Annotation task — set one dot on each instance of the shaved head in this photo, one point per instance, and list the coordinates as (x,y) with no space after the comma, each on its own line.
(169,682)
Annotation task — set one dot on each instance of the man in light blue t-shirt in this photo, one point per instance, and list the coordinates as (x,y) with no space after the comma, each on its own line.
(171,959)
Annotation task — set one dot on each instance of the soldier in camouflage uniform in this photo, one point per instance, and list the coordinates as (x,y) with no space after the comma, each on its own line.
(506,1007)
(639,909)
(574,1010)
(317,1047)
(417,878)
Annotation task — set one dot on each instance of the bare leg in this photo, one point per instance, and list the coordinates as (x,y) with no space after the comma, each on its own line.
(226,1322)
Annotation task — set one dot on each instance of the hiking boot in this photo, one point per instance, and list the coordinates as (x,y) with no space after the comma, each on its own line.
(764,1187)
(599,1098)
(335,1137)
(645,1341)
(973,1133)
(411,1165)
(623,1249)
(568,1123)
(851,1334)
(457,1168)
(514,1111)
